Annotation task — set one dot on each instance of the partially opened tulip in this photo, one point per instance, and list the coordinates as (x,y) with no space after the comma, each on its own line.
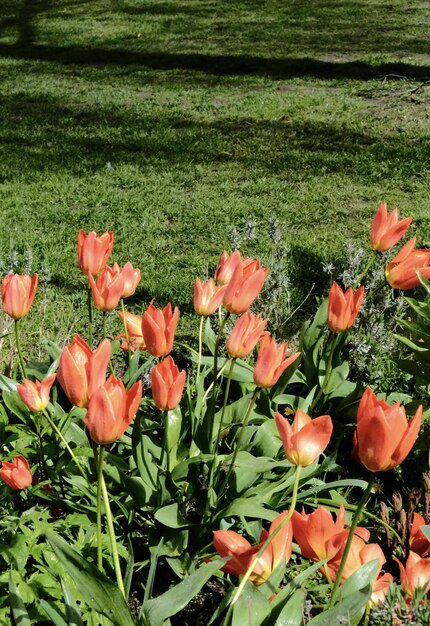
(226,265)
(418,542)
(16,474)
(386,230)
(167,384)
(343,307)
(401,272)
(158,329)
(18,294)
(35,395)
(207,296)
(108,289)
(111,410)
(271,362)
(246,333)
(230,543)
(316,532)
(134,331)
(130,276)
(384,437)
(415,574)
(306,439)
(81,371)
(244,286)
(94,251)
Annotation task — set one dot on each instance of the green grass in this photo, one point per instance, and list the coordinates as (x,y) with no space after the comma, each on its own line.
(210,113)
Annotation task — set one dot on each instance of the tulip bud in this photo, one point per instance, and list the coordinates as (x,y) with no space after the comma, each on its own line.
(343,307)
(35,395)
(18,294)
(306,439)
(94,251)
(167,384)
(247,332)
(130,276)
(244,286)
(207,296)
(271,362)
(158,329)
(108,289)
(111,410)
(16,474)
(386,229)
(134,332)
(401,272)
(226,266)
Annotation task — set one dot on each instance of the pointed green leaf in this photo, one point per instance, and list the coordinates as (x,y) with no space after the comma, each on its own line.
(17,606)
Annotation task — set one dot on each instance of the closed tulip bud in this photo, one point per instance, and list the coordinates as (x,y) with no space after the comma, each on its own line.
(35,395)
(247,332)
(343,307)
(130,276)
(226,266)
(18,294)
(94,251)
(108,290)
(230,543)
(306,438)
(401,272)
(134,332)
(167,384)
(81,371)
(384,437)
(415,574)
(207,296)
(16,474)
(111,410)
(158,329)
(386,230)
(244,286)
(271,362)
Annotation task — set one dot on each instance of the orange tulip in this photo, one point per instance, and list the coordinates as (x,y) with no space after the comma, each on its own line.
(244,286)
(415,574)
(418,542)
(386,230)
(111,410)
(271,362)
(343,307)
(131,278)
(167,384)
(306,438)
(94,251)
(108,290)
(315,532)
(16,474)
(35,395)
(134,331)
(82,371)
(226,266)
(18,293)
(384,437)
(401,272)
(230,543)
(246,333)
(207,296)
(158,329)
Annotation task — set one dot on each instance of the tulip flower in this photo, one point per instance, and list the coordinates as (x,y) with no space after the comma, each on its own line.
(35,395)
(16,474)
(94,251)
(418,542)
(343,307)
(230,543)
(207,296)
(306,438)
(82,371)
(158,329)
(226,266)
(401,272)
(415,574)
(18,294)
(384,437)
(314,532)
(244,286)
(131,278)
(386,230)
(246,333)
(271,362)
(111,410)
(108,290)
(134,331)
(167,384)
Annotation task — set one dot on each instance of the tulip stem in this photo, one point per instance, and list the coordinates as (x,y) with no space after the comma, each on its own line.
(369,264)
(18,347)
(268,541)
(199,362)
(215,378)
(66,445)
(112,371)
(127,338)
(99,461)
(161,464)
(332,343)
(110,526)
(238,443)
(90,318)
(354,524)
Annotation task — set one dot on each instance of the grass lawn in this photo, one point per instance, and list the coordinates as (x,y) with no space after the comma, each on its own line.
(172,122)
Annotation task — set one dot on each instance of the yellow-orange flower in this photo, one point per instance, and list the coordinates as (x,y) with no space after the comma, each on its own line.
(306,438)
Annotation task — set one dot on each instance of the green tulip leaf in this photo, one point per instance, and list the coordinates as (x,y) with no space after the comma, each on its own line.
(292,611)
(171,516)
(17,606)
(251,607)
